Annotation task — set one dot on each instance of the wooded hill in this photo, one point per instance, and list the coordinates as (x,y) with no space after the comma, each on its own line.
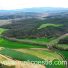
(29,28)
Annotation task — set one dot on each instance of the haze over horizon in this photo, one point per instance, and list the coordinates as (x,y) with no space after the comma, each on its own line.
(19,4)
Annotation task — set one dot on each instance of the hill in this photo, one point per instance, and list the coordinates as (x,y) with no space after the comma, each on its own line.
(29,28)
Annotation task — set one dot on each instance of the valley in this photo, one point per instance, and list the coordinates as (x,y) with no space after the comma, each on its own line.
(40,38)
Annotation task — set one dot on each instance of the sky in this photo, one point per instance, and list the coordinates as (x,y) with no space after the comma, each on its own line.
(19,4)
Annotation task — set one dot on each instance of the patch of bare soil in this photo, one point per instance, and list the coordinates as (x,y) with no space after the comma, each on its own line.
(10,63)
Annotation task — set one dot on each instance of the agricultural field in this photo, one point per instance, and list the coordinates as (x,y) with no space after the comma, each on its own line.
(4,22)
(41,40)
(49,25)
(42,53)
(62,46)
(31,52)
(2,58)
(37,56)
(2,30)
(12,44)
(15,63)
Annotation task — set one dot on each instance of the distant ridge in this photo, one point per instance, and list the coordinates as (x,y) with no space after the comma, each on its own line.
(36,9)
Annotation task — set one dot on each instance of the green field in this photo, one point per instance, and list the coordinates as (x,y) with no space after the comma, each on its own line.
(18,55)
(2,30)
(62,46)
(49,25)
(31,54)
(40,55)
(64,53)
(12,44)
(41,40)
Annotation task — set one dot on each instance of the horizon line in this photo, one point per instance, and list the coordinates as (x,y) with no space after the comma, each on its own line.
(34,7)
